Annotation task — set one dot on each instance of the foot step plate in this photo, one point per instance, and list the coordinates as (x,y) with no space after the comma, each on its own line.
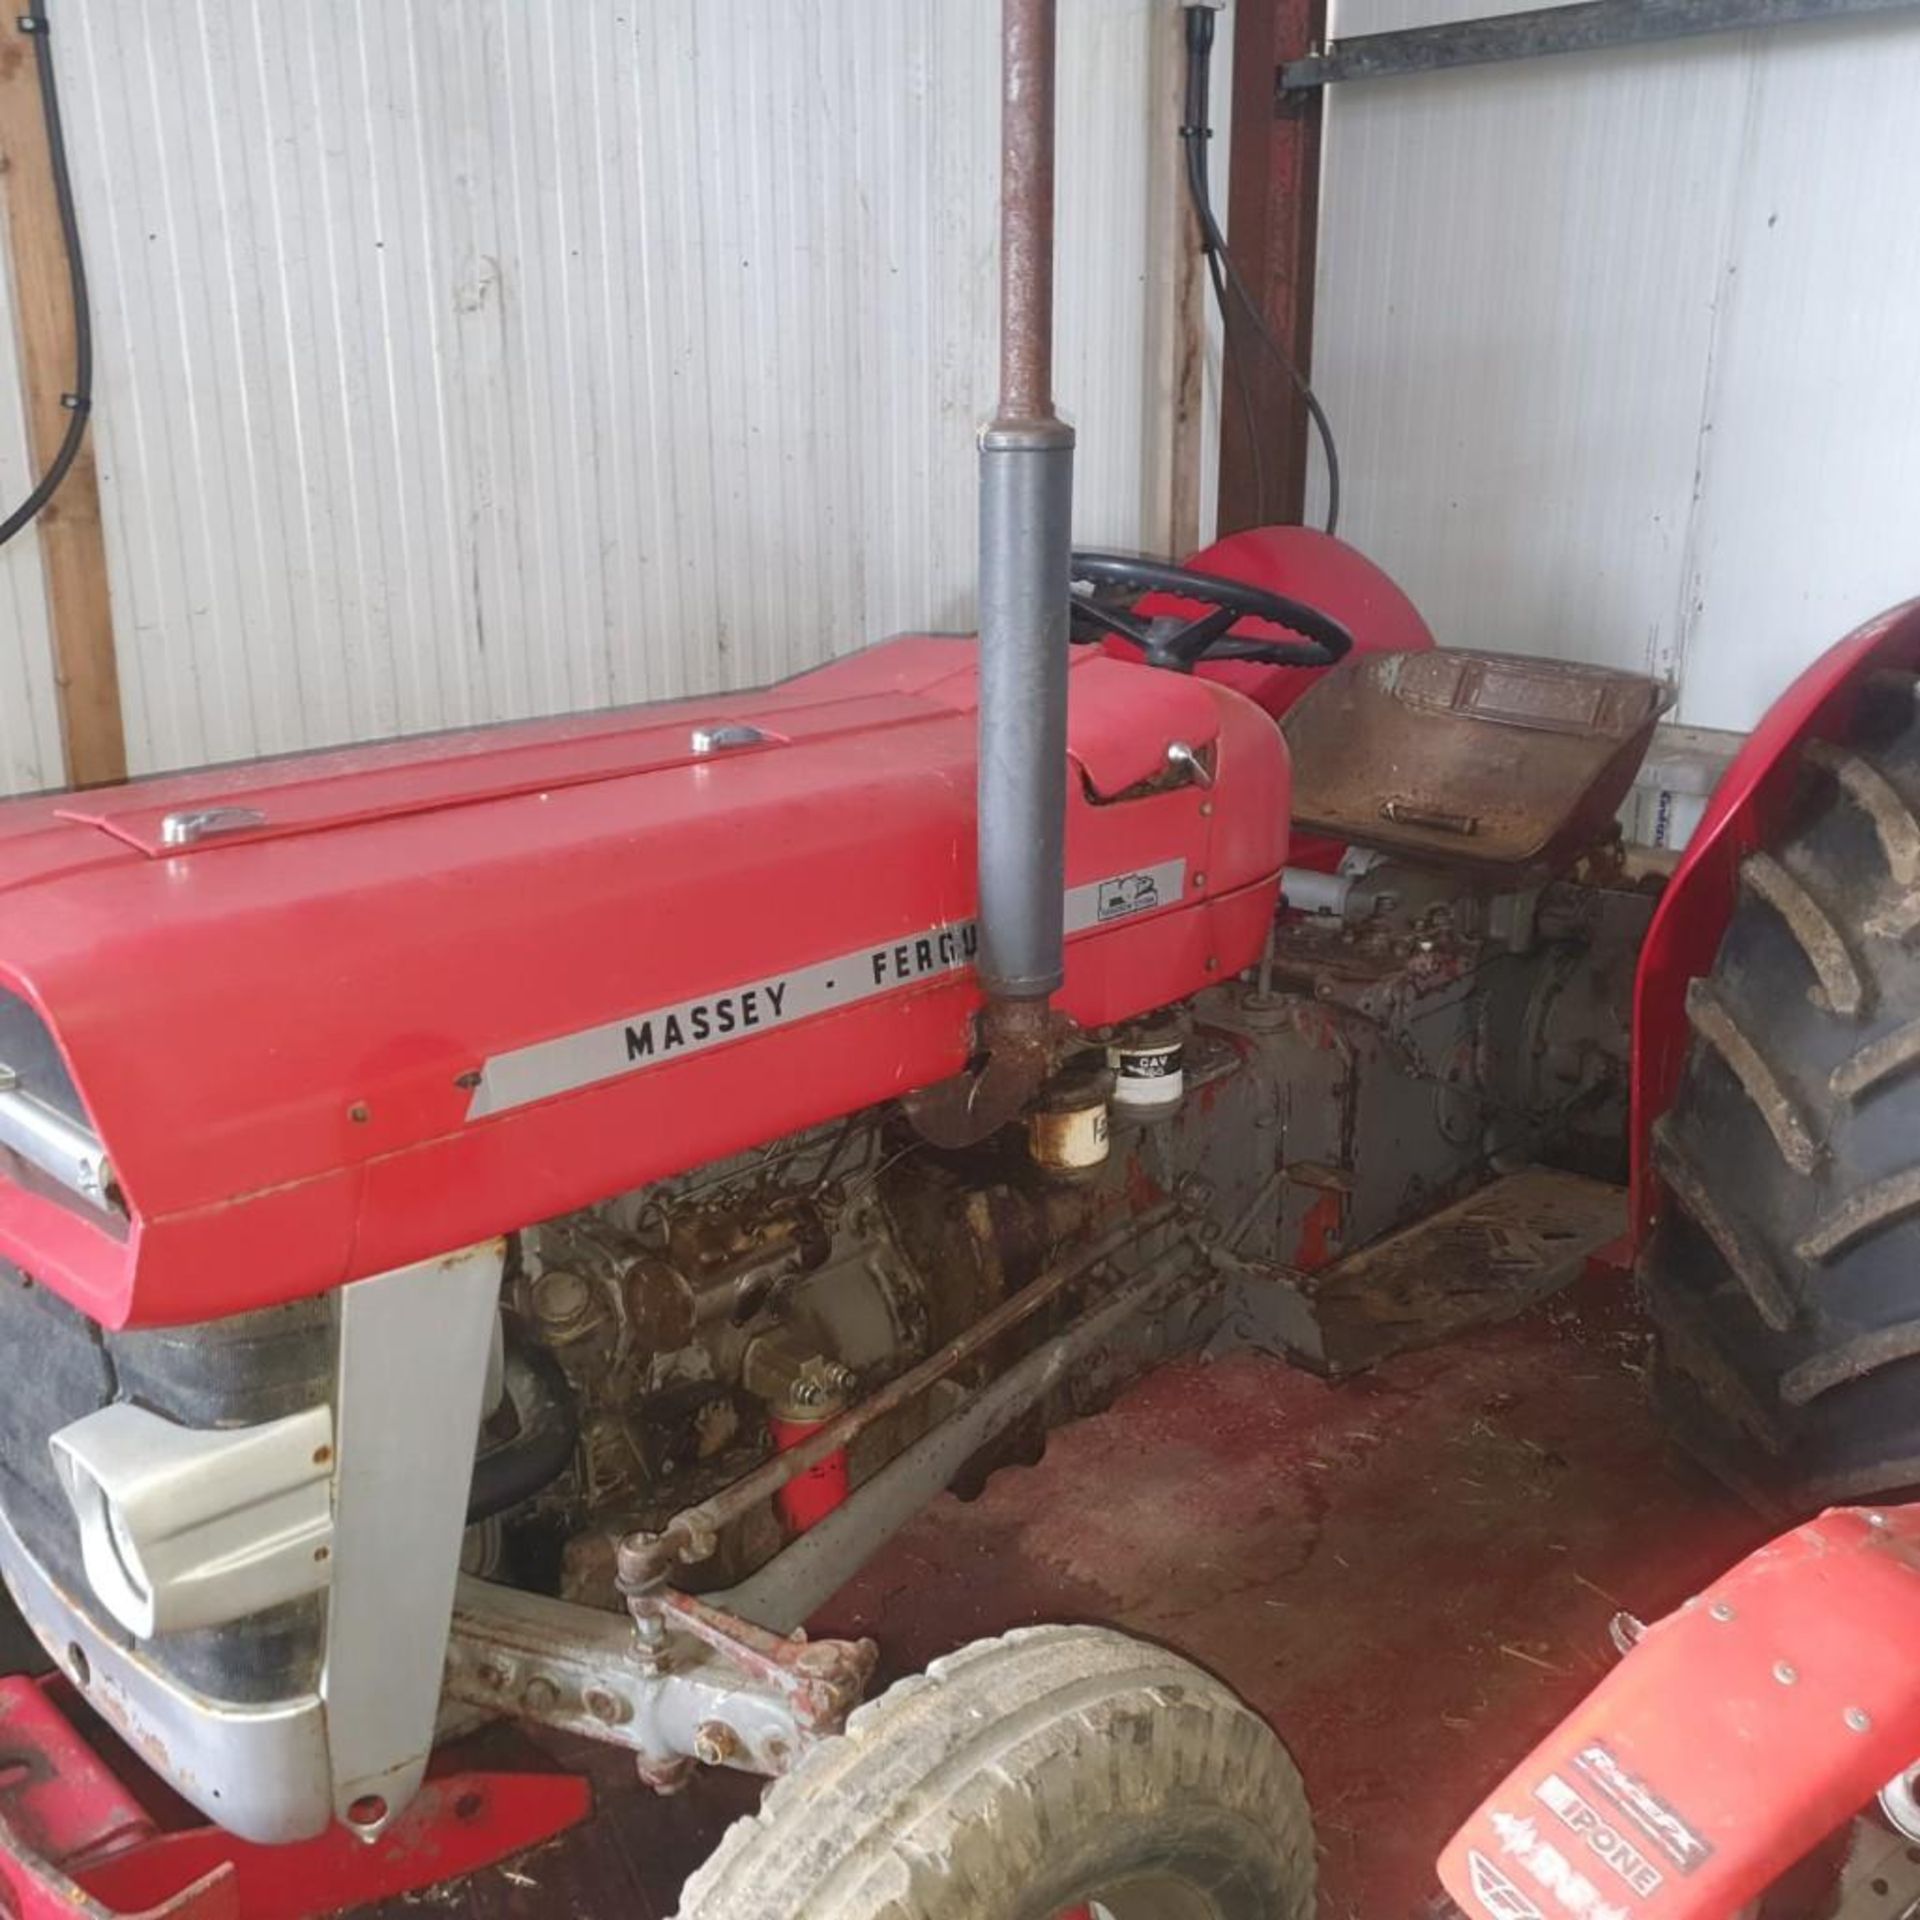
(1481,1260)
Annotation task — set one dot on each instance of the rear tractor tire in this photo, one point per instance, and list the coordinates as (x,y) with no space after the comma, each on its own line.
(1057,1771)
(1784,1278)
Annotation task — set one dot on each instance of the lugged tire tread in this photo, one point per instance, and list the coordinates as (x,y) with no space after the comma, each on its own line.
(1746,1259)
(1850,1360)
(1884,804)
(1789,1150)
(1869,1210)
(1812,929)
(1714,1025)
(1876,1063)
(1046,1722)
(1688,1343)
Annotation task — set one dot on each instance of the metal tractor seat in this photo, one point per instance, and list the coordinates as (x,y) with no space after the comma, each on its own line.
(1500,763)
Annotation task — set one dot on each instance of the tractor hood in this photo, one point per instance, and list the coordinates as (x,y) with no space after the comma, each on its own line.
(323,1016)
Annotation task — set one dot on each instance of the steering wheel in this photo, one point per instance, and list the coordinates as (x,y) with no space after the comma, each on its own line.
(1180,644)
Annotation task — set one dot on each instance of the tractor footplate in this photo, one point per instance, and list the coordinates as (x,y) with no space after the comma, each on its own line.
(1481,1260)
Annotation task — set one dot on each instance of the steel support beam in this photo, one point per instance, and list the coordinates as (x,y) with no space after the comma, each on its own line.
(1273,199)
(1581,28)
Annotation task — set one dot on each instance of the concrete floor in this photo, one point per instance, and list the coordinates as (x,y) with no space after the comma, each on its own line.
(1409,1574)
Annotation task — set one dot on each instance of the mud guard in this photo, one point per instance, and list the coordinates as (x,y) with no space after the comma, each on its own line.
(1736,1736)
(1745,811)
(1307,565)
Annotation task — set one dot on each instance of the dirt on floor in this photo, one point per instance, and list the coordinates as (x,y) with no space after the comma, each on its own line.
(1410,1574)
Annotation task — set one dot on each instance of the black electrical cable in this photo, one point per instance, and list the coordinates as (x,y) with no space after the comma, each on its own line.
(78,403)
(1194,135)
(1225,274)
(1242,386)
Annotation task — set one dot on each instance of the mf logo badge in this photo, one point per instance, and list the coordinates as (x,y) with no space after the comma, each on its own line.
(1496,1893)
(1128,893)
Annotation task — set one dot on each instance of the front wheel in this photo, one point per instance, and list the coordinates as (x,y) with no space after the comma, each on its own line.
(1055,1772)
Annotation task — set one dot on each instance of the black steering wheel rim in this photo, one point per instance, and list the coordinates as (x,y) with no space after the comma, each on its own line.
(1323,639)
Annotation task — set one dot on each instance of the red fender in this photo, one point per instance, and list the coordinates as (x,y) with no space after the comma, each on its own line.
(1305,564)
(1746,810)
(1739,1734)
(1308,565)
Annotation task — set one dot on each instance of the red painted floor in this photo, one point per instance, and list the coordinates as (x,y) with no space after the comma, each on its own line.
(1409,1574)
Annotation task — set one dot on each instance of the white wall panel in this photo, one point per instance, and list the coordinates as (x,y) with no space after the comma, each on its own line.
(1809,514)
(466,359)
(29,721)
(1619,345)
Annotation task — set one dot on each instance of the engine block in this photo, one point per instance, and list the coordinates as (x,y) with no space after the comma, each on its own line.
(688,1316)
(1397,1050)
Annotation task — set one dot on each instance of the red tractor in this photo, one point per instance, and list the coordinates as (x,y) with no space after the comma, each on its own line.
(502,1226)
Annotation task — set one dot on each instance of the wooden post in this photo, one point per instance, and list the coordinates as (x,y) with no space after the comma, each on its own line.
(1176,311)
(1273,202)
(72,548)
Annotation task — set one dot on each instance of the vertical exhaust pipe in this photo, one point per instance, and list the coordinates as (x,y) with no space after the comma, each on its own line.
(1026,536)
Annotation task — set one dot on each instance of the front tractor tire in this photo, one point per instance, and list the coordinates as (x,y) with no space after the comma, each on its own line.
(1059,1770)
(1784,1278)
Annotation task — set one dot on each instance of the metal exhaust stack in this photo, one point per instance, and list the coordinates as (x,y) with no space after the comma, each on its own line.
(1026,528)
(1026,531)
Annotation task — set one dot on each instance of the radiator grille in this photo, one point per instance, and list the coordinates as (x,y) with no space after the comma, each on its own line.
(58,1367)
(28,1048)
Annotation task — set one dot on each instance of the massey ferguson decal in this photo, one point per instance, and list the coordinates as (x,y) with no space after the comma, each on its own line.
(1643,1807)
(705,1020)
(645,1040)
(1603,1838)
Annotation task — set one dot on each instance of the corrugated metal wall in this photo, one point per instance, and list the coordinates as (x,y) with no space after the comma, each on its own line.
(465,359)
(483,357)
(1621,346)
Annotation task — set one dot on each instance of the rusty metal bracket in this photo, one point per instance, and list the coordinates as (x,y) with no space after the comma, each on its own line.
(1020,1040)
(1580,28)
(679,1684)
(819,1682)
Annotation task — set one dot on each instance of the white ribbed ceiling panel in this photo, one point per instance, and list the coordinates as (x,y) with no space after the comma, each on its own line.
(1619,345)
(478,358)
(29,720)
